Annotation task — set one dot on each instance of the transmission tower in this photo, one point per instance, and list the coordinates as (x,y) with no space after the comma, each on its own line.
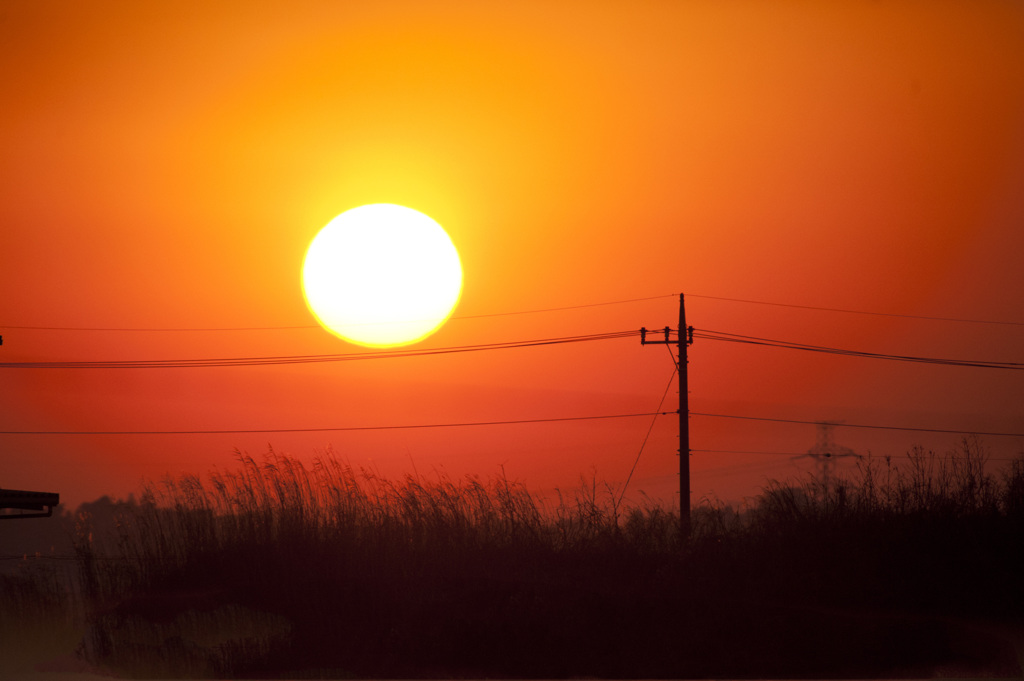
(826,451)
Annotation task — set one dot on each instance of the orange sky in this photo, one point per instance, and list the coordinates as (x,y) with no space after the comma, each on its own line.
(167,165)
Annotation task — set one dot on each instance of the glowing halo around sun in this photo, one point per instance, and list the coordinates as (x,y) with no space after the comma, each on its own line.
(382,275)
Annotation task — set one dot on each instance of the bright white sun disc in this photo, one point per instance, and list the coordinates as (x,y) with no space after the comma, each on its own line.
(382,275)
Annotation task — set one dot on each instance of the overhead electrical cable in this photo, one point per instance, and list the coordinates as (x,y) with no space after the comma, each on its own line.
(863,312)
(309,359)
(414,426)
(524,312)
(231,431)
(317,326)
(567,307)
(795,455)
(860,425)
(706,334)
(654,420)
(743,451)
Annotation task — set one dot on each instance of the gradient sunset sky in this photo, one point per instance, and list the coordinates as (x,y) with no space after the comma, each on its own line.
(165,165)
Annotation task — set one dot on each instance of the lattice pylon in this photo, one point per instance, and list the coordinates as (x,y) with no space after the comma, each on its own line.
(826,451)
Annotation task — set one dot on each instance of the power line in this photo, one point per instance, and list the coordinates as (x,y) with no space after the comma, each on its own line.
(308,359)
(742,451)
(675,370)
(317,326)
(522,312)
(794,454)
(235,431)
(568,307)
(768,342)
(863,312)
(333,429)
(861,425)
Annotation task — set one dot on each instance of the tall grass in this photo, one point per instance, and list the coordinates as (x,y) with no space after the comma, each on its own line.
(278,569)
(923,483)
(345,570)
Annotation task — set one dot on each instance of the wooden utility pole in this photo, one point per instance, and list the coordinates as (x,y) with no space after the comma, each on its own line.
(683,341)
(684,337)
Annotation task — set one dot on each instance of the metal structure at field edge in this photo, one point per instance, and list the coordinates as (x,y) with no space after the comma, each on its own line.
(826,451)
(39,504)
(683,339)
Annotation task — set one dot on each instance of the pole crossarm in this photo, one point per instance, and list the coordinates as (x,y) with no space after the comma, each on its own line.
(667,332)
(41,503)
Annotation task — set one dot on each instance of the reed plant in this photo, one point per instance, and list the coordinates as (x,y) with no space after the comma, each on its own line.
(329,553)
(279,569)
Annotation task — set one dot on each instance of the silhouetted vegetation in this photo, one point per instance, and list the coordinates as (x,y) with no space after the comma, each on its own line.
(279,570)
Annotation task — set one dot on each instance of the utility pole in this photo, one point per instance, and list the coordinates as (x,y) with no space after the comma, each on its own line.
(684,338)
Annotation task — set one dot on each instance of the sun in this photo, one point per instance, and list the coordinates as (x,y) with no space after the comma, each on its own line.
(382,275)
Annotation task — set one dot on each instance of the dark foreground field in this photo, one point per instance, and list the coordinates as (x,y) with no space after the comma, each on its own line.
(279,571)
